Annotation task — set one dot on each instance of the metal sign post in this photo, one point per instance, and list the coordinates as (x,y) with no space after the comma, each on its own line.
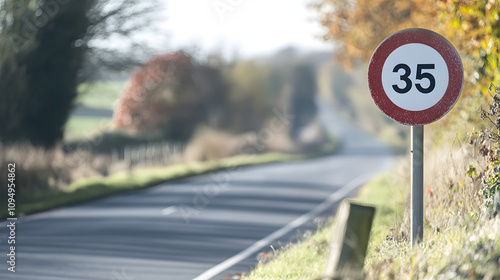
(417,183)
(415,77)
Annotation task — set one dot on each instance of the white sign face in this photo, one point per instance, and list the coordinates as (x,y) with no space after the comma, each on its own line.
(415,77)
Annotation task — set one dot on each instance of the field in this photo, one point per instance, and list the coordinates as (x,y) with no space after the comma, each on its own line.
(98,95)
(101,95)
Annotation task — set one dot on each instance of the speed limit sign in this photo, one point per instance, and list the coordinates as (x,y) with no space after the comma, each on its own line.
(415,76)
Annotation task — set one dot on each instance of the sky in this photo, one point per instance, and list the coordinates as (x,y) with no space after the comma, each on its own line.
(242,28)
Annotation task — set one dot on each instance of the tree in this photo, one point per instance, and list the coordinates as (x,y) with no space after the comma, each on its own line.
(303,84)
(359,26)
(38,48)
(250,95)
(43,44)
(172,94)
(472,26)
(118,21)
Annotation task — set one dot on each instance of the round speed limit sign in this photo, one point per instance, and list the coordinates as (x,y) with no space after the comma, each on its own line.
(415,76)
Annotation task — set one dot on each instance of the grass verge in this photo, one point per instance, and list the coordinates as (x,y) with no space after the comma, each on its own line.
(306,259)
(467,248)
(92,188)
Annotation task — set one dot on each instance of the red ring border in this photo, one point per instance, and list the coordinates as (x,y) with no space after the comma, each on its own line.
(450,56)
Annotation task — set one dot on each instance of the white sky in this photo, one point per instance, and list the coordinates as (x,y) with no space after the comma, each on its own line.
(250,28)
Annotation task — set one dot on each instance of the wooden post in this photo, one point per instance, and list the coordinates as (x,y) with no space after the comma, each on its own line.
(349,241)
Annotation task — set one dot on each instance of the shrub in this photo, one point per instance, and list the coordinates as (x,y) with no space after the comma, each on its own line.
(172,95)
(40,170)
(488,141)
(250,96)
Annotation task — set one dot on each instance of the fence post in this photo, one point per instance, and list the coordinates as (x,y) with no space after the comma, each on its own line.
(349,240)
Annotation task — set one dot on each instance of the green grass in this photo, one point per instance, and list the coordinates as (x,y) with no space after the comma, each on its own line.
(389,199)
(92,188)
(82,127)
(306,259)
(468,248)
(99,94)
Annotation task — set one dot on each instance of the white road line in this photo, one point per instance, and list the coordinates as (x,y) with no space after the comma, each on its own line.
(169,210)
(325,205)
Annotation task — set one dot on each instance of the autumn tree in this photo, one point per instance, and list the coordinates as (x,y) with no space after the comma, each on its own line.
(171,95)
(359,26)
(472,26)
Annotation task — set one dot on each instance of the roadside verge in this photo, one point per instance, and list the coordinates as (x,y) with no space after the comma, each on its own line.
(306,259)
(98,187)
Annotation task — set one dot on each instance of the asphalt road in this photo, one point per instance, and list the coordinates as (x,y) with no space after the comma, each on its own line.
(204,227)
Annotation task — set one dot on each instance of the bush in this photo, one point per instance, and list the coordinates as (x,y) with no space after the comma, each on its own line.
(488,141)
(250,96)
(172,95)
(40,170)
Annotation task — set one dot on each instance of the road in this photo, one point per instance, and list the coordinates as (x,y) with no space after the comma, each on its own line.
(204,227)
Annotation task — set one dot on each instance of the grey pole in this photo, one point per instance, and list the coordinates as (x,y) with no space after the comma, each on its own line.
(417,183)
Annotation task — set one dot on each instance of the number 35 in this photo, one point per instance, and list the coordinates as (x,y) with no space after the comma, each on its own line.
(405,77)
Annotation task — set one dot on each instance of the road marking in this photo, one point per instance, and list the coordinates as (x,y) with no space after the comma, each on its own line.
(169,210)
(325,205)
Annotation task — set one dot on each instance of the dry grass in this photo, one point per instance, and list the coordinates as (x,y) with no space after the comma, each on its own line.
(43,169)
(209,144)
(460,241)
(33,174)
(47,178)
(455,197)
(39,170)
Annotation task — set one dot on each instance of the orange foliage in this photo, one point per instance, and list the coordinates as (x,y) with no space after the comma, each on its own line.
(472,26)
(360,26)
(162,90)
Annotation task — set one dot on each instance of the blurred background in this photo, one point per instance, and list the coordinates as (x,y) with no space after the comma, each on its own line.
(89,88)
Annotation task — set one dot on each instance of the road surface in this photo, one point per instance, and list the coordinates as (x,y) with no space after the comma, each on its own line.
(204,227)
